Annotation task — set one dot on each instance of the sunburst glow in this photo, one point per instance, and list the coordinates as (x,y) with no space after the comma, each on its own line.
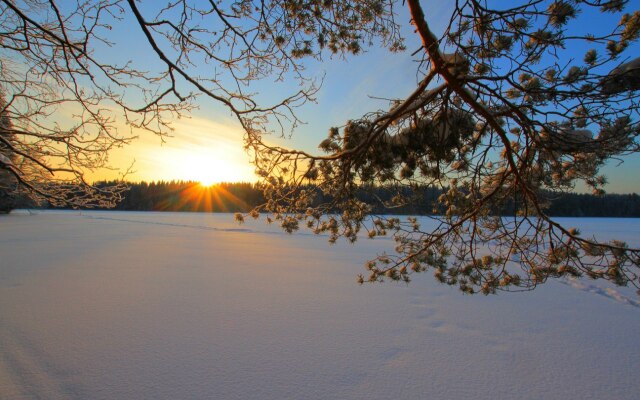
(201,151)
(197,197)
(207,169)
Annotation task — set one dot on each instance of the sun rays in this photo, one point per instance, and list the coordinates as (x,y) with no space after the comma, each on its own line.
(196,196)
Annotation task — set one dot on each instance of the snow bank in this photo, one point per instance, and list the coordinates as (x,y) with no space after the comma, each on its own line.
(105,305)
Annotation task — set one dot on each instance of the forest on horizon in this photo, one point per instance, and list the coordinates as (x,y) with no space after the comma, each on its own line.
(190,196)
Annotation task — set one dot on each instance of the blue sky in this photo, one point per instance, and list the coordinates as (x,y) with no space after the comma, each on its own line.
(349,90)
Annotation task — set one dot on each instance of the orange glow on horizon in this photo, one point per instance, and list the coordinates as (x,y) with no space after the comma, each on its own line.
(200,150)
(199,197)
(207,183)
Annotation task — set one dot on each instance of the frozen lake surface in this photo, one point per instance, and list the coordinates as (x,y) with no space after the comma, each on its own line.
(116,305)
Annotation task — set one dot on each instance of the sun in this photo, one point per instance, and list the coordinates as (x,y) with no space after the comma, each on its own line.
(198,156)
(207,166)
(210,167)
(207,182)
(207,169)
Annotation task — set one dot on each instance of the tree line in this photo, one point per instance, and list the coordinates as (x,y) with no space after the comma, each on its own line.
(190,196)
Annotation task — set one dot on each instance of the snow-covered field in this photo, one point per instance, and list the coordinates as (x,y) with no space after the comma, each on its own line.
(106,305)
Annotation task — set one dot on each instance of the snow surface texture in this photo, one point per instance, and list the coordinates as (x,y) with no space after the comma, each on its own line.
(106,305)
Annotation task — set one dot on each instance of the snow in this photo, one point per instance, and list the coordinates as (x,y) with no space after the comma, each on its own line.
(114,305)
